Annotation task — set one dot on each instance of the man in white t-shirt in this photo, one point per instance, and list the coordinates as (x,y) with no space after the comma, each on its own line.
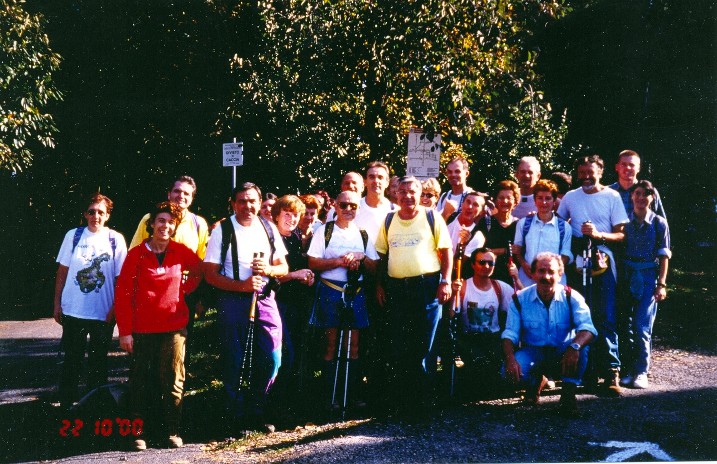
(450,202)
(596,213)
(243,257)
(374,206)
(527,174)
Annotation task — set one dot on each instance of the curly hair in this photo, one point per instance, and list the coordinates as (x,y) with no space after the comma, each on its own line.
(165,207)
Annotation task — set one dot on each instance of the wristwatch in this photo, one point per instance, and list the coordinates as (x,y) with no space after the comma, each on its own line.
(576,346)
(443,281)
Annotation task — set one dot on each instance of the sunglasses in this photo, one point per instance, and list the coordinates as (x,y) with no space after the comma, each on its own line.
(98,212)
(485,262)
(345,205)
(427,195)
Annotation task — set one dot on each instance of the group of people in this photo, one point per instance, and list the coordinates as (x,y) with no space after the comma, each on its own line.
(533,283)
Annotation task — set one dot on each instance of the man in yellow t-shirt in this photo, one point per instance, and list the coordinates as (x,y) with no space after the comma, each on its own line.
(192,231)
(416,260)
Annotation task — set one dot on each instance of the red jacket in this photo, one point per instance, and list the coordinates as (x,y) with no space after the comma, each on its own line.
(149,298)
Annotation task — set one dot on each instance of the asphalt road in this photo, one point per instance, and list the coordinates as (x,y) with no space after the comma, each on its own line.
(673,420)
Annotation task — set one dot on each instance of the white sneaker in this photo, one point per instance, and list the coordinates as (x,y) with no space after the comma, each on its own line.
(626,381)
(641,382)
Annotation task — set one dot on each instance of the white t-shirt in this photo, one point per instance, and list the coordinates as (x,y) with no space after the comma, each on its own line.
(604,209)
(370,219)
(479,309)
(476,242)
(90,288)
(250,239)
(342,241)
(524,206)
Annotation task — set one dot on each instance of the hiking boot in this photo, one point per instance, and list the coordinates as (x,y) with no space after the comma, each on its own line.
(458,362)
(175,441)
(139,445)
(612,384)
(568,402)
(641,382)
(532,393)
(626,381)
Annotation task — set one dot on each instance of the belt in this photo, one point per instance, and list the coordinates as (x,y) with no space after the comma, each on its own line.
(336,287)
(415,279)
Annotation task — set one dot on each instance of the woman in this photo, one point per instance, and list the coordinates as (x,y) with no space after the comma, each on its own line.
(152,318)
(544,231)
(499,229)
(642,283)
(430,191)
(293,297)
(342,253)
(93,256)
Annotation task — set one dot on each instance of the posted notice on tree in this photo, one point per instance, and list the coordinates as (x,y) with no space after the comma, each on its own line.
(232,154)
(424,155)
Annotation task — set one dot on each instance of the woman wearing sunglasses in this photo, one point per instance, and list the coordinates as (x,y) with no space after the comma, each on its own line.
(430,191)
(89,261)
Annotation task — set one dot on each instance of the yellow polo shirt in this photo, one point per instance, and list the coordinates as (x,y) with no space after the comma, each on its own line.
(186,234)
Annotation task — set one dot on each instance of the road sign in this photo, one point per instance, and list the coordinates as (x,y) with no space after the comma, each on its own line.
(232,154)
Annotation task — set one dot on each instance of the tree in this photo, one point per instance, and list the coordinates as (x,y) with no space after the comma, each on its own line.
(26,86)
(322,86)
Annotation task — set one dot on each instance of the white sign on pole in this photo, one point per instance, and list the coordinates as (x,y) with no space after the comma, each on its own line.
(232,154)
(424,155)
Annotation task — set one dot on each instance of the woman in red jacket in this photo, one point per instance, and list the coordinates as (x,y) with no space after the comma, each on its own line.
(152,317)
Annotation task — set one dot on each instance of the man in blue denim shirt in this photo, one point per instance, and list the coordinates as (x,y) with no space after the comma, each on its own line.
(553,332)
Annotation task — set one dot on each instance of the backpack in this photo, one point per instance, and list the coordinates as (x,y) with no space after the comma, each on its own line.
(561,229)
(429,215)
(329,231)
(455,213)
(78,235)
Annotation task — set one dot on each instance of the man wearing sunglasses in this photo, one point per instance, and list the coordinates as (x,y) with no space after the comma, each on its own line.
(552,324)
(483,305)
(416,260)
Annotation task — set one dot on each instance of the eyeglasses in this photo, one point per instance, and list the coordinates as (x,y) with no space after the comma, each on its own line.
(346,205)
(98,212)
(427,195)
(485,262)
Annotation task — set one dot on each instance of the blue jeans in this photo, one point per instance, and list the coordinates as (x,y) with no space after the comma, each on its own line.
(412,313)
(602,300)
(266,359)
(638,318)
(536,361)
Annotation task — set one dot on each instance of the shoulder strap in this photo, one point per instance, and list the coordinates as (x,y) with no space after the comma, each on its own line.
(498,292)
(569,298)
(526,226)
(473,233)
(328,232)
(431,222)
(196,222)
(561,229)
(227,237)
(388,220)
(442,198)
(517,302)
(76,238)
(270,235)
(452,217)
(364,237)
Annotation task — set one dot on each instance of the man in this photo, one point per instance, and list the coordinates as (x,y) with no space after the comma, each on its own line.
(242,256)
(413,283)
(374,206)
(483,305)
(527,174)
(464,229)
(341,253)
(597,218)
(192,231)
(627,168)
(351,182)
(553,326)
(449,203)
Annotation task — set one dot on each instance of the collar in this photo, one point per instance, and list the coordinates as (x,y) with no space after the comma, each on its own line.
(649,217)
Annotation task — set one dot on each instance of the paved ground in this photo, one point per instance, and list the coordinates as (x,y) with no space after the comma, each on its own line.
(675,419)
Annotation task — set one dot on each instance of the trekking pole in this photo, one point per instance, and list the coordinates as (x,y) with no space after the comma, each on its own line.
(452,329)
(510,263)
(338,362)
(246,363)
(346,374)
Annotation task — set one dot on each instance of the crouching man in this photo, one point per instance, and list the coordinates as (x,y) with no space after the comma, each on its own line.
(553,325)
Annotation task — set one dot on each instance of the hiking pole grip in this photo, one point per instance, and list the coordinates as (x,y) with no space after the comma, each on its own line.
(510,264)
(255,295)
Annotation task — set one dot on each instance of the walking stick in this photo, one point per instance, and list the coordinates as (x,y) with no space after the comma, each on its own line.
(246,363)
(510,263)
(588,270)
(452,329)
(345,328)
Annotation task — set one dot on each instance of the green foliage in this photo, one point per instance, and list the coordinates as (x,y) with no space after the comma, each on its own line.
(324,86)
(26,86)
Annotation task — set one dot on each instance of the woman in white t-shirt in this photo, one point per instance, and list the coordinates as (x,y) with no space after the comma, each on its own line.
(89,261)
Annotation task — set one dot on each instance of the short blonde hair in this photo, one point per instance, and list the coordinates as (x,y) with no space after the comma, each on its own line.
(431,184)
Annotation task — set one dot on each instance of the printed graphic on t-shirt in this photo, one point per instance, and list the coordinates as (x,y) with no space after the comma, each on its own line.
(91,278)
(404,240)
(479,319)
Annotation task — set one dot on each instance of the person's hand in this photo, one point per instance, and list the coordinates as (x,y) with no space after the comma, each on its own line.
(463,235)
(260,266)
(352,260)
(380,295)
(513,271)
(456,286)
(444,292)
(513,370)
(199,310)
(57,314)
(305,276)
(588,230)
(660,293)
(569,363)
(127,343)
(516,249)
(253,284)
